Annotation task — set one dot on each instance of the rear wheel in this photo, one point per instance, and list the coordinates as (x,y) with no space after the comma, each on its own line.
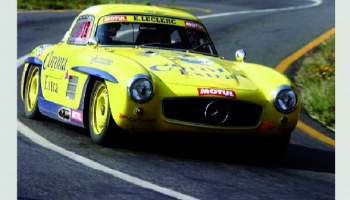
(31,93)
(99,114)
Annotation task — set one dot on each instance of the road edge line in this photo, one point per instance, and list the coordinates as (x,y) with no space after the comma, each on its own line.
(318,135)
(287,62)
(30,134)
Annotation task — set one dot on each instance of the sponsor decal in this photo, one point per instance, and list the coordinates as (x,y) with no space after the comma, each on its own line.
(99,60)
(66,76)
(196,60)
(267,126)
(205,72)
(55,62)
(64,113)
(160,20)
(194,25)
(155,12)
(114,18)
(121,116)
(140,120)
(41,49)
(77,116)
(168,67)
(50,85)
(216,92)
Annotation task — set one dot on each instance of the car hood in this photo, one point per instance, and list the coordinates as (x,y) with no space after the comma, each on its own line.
(191,69)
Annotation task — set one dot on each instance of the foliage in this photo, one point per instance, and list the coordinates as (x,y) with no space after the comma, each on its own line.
(316,80)
(65,4)
(81,4)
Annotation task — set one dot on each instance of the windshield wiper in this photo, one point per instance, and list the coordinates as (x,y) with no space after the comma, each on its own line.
(156,44)
(199,46)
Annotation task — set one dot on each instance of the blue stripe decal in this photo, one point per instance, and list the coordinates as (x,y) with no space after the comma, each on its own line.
(51,110)
(96,72)
(34,60)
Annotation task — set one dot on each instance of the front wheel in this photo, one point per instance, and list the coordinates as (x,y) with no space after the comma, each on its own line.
(99,114)
(31,93)
(275,148)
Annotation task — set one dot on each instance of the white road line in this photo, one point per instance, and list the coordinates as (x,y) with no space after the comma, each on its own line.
(315,3)
(97,166)
(26,131)
(20,61)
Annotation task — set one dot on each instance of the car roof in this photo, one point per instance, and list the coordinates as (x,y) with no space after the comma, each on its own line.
(106,9)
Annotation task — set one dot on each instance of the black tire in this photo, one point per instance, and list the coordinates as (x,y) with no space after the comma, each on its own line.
(100,121)
(276,148)
(31,93)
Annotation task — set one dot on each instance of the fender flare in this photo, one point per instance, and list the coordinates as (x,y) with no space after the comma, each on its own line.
(95,72)
(27,63)
(34,61)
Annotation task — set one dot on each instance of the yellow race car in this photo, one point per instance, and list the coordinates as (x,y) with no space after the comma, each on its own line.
(153,69)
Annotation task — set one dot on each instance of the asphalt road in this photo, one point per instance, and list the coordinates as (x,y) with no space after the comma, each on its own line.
(201,168)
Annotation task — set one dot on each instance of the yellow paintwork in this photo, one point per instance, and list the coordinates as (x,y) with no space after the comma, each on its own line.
(109,9)
(173,74)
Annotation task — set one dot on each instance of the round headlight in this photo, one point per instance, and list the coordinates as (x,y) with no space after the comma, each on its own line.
(140,88)
(285,99)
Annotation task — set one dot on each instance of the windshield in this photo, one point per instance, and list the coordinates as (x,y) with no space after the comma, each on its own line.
(192,38)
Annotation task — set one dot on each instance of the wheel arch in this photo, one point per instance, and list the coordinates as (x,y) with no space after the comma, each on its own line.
(86,99)
(95,72)
(268,79)
(31,111)
(28,64)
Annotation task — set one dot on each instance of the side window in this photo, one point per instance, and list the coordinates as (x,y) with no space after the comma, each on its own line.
(81,31)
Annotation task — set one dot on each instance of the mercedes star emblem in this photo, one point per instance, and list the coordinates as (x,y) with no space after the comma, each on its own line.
(216,112)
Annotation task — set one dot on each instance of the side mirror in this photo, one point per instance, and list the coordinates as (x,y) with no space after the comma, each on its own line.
(240,55)
(94,41)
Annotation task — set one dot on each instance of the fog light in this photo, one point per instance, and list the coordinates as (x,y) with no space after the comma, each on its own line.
(139,111)
(284,120)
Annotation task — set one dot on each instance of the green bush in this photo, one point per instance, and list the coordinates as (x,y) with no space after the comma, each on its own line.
(49,4)
(76,4)
(316,81)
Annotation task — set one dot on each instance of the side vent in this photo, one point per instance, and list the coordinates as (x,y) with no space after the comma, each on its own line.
(72,87)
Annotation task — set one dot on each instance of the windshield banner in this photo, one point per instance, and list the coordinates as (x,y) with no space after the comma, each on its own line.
(151,19)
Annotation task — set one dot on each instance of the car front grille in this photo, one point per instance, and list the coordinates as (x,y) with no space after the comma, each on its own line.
(210,111)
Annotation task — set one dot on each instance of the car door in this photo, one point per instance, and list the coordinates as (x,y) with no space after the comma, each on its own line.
(53,73)
(56,79)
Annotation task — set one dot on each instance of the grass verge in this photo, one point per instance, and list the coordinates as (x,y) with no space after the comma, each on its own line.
(79,4)
(65,4)
(316,81)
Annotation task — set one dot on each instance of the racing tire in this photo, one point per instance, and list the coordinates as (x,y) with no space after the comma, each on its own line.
(31,94)
(276,148)
(100,121)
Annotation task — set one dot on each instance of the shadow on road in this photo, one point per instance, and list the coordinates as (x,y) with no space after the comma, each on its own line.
(228,149)
(202,148)
(305,158)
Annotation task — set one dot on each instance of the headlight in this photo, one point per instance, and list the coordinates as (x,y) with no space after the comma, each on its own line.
(285,99)
(140,88)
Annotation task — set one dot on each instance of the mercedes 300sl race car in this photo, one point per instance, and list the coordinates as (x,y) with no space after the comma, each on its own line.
(154,69)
